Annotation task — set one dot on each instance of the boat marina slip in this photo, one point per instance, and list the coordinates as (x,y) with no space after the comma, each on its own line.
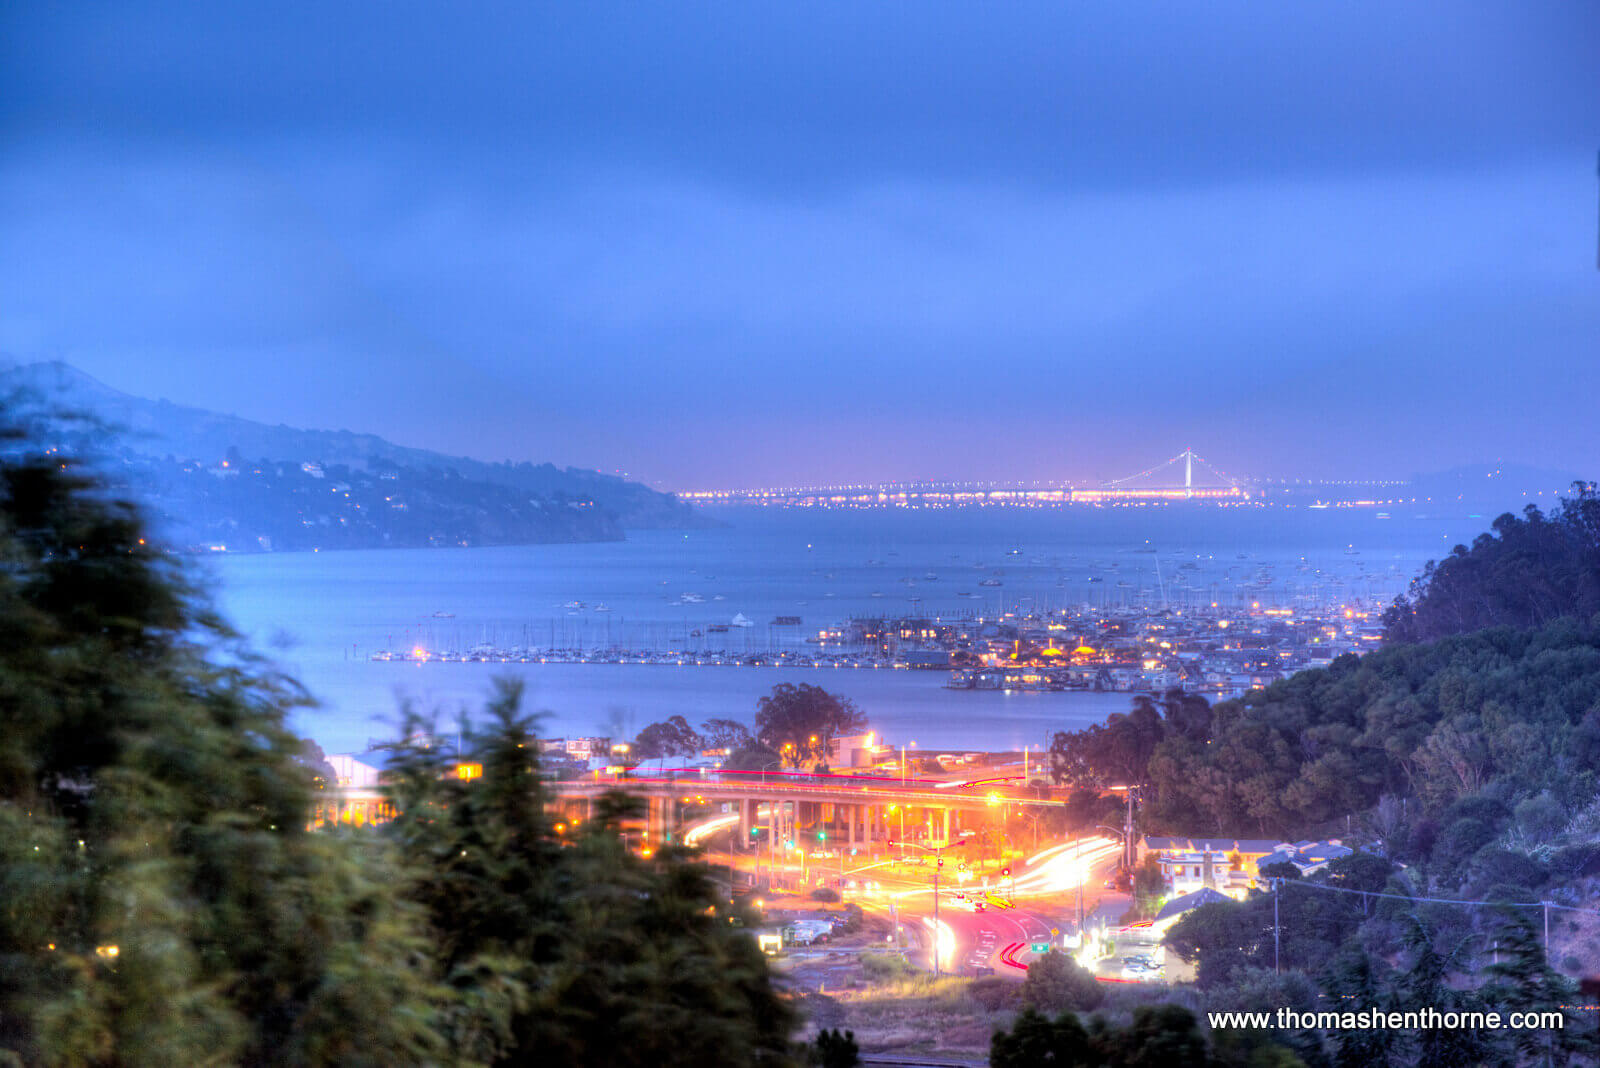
(1044,622)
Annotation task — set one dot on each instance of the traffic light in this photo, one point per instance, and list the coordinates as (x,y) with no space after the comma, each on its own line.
(822,836)
(755,832)
(1005,873)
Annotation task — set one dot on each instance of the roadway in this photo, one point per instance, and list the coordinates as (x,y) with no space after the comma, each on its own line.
(993,927)
(1032,907)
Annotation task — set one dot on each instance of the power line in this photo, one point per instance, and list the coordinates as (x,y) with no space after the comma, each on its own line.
(1438,900)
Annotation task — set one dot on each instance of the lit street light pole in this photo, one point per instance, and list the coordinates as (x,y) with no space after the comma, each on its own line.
(938,865)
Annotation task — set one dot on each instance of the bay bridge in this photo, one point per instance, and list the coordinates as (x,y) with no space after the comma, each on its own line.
(1183,477)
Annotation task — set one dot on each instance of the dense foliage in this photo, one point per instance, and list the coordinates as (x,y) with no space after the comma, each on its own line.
(801,721)
(1515,713)
(1057,983)
(1512,713)
(164,898)
(576,949)
(1462,756)
(1118,752)
(1157,1035)
(161,898)
(1529,571)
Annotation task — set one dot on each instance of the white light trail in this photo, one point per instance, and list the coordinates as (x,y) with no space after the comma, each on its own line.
(704,829)
(1064,867)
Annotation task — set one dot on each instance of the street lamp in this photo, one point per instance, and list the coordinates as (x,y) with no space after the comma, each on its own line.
(938,866)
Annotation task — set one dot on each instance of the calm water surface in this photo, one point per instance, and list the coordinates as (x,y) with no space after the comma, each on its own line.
(323,614)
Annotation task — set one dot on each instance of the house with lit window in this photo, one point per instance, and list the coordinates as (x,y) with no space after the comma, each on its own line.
(1226,865)
(1307,857)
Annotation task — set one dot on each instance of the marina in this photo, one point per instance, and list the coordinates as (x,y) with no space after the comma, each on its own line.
(1213,651)
(603,633)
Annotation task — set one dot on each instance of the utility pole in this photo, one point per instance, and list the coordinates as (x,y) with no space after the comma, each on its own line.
(938,863)
(1077,856)
(1127,835)
(1276,883)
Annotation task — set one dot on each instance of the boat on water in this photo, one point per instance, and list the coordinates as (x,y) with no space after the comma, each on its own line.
(740,620)
(602,608)
(444,615)
(991,582)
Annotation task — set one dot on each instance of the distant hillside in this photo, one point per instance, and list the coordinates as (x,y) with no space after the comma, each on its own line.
(159,428)
(1490,490)
(221,480)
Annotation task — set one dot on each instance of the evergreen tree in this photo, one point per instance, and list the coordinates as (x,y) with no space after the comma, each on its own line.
(1425,986)
(1036,1040)
(1520,979)
(1355,981)
(164,899)
(577,954)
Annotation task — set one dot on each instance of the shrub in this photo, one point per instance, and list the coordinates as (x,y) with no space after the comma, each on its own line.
(884,967)
(824,893)
(995,993)
(1057,983)
(1573,861)
(833,1050)
(1492,865)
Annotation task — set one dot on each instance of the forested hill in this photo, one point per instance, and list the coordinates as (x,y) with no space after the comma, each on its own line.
(1525,572)
(220,479)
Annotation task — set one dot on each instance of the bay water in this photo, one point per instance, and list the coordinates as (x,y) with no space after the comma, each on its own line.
(322,615)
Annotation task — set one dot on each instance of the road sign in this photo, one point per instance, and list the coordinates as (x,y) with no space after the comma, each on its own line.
(1039,947)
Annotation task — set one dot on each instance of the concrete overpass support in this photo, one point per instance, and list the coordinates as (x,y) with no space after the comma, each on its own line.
(745,804)
(655,820)
(947,825)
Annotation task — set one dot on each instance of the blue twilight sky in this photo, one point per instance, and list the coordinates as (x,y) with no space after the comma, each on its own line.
(732,244)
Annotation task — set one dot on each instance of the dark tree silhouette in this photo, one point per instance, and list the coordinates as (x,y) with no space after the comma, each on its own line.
(799,721)
(1526,572)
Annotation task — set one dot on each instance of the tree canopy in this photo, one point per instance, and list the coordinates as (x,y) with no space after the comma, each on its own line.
(1526,572)
(799,721)
(164,897)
